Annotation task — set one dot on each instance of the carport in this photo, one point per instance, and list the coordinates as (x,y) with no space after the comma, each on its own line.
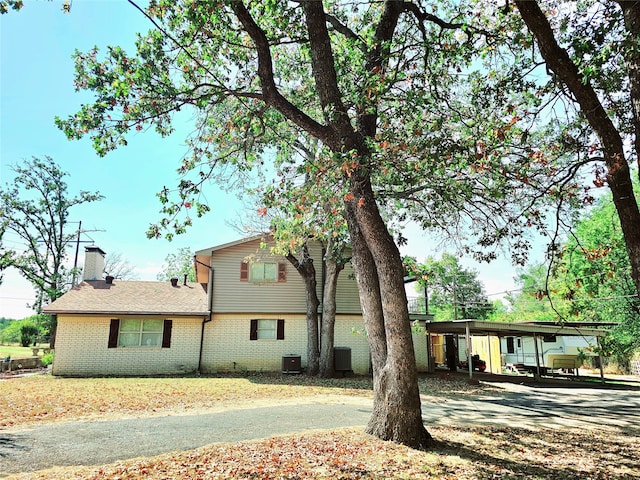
(534,329)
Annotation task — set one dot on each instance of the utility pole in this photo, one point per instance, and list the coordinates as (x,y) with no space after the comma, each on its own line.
(75,260)
(455,299)
(78,242)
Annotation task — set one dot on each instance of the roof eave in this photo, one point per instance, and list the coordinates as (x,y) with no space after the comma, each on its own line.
(125,312)
(478,327)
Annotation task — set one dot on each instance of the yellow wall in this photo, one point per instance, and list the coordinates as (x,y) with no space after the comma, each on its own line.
(227,346)
(488,347)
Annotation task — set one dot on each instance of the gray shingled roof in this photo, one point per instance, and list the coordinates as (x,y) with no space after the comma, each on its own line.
(132,297)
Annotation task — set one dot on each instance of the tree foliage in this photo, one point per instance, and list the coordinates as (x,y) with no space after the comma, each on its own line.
(590,50)
(177,265)
(595,280)
(409,108)
(589,281)
(530,303)
(28,334)
(36,210)
(454,292)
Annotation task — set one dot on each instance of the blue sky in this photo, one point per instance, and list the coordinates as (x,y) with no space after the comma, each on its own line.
(36,84)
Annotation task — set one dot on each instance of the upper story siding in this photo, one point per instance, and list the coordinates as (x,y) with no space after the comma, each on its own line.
(233,295)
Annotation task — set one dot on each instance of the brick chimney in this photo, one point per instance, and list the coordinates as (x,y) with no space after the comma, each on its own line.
(93,263)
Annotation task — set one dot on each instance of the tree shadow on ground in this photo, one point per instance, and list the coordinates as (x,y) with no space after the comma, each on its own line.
(11,444)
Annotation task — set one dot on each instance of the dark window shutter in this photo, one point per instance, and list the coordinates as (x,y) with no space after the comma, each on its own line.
(253,332)
(113,333)
(282,272)
(166,334)
(280,332)
(244,272)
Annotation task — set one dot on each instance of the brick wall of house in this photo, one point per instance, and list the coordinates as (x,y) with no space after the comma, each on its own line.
(81,349)
(227,346)
(81,346)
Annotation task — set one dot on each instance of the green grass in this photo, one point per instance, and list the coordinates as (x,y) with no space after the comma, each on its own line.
(16,351)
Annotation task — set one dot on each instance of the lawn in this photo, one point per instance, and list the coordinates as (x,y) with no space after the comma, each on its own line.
(459,452)
(17,351)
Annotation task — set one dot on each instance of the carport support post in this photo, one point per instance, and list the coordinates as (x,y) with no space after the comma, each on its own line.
(468,339)
(600,360)
(489,337)
(430,366)
(535,344)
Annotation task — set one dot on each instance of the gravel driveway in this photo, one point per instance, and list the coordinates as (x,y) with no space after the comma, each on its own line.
(107,441)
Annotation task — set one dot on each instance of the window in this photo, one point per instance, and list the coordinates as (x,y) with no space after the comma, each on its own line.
(262,329)
(510,345)
(263,272)
(134,332)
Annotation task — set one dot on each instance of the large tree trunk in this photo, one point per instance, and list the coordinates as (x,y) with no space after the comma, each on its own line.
(307,271)
(332,271)
(618,174)
(397,414)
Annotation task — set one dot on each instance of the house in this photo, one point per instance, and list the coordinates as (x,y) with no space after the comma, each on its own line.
(246,312)
(113,327)
(258,310)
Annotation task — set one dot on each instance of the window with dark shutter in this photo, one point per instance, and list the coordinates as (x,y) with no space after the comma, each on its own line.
(166,334)
(280,332)
(253,330)
(282,272)
(244,272)
(113,333)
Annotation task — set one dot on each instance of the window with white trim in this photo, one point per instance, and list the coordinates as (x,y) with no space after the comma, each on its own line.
(266,329)
(263,272)
(136,332)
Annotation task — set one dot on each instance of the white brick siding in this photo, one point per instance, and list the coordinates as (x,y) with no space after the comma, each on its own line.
(227,346)
(81,349)
(81,346)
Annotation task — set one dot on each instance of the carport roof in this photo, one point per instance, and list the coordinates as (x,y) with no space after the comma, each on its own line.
(478,327)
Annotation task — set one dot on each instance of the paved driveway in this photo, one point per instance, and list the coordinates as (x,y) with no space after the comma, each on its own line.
(101,442)
(531,406)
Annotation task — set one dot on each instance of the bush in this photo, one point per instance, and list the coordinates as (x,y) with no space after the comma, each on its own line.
(28,334)
(47,359)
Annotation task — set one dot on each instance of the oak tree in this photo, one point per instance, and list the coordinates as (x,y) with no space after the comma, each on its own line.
(36,210)
(407,119)
(591,53)
(242,67)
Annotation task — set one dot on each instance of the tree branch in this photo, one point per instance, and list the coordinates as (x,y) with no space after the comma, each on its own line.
(323,68)
(559,61)
(271,94)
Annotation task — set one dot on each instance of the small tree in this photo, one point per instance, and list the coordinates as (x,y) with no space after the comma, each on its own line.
(454,292)
(28,334)
(117,266)
(177,265)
